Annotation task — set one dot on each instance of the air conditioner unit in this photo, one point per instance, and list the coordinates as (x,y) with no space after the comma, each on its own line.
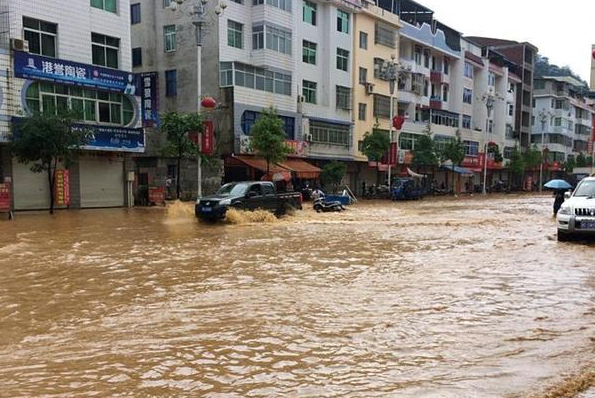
(300,99)
(19,45)
(307,137)
(369,88)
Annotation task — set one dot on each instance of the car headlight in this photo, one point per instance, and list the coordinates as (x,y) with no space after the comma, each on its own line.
(225,202)
(565,210)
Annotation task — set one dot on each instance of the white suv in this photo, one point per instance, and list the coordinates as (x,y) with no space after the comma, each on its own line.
(577,214)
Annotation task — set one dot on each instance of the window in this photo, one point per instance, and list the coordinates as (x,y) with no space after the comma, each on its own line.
(309,91)
(284,5)
(426,58)
(508,151)
(342,59)
(510,109)
(440,142)
(467,122)
(235,34)
(309,52)
(105,50)
(330,133)
(248,76)
(107,5)
(363,40)
(361,111)
(169,38)
(137,56)
(557,121)
(278,39)
(363,75)
(238,1)
(135,13)
(343,98)
(491,79)
(441,117)
(407,141)
(446,66)
(342,21)
(88,105)
(509,132)
(250,117)
(468,70)
(467,96)
(385,35)
(471,148)
(539,84)
(257,2)
(445,93)
(378,62)
(417,55)
(309,10)
(41,36)
(171,83)
(166,3)
(381,106)
(490,126)
(257,37)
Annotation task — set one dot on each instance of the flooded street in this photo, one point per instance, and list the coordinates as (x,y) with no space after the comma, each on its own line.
(438,298)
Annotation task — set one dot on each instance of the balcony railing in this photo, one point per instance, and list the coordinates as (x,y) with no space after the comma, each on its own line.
(436,77)
(436,103)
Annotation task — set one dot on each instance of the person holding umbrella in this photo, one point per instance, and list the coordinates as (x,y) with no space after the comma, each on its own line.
(559,187)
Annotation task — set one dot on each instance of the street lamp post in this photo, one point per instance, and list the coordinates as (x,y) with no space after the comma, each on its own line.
(391,70)
(198,13)
(543,118)
(490,99)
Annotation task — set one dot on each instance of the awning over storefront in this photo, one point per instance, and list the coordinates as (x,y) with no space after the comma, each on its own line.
(302,169)
(259,164)
(460,170)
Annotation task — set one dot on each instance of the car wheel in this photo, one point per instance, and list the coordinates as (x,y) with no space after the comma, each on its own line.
(563,237)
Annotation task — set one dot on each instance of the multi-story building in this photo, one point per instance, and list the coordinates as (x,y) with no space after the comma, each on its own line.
(523,54)
(76,56)
(376,42)
(295,56)
(563,118)
(592,82)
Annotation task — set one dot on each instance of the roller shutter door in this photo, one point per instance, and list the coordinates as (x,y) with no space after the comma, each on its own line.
(31,190)
(102,182)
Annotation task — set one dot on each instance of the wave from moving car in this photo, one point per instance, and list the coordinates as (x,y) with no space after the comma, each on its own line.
(246,195)
(576,217)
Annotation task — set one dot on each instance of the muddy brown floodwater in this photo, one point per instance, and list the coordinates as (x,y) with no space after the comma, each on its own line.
(438,298)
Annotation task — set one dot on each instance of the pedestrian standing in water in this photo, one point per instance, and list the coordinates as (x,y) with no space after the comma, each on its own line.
(559,199)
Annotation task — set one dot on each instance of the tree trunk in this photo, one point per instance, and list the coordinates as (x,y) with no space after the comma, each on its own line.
(268,169)
(178,174)
(52,182)
(453,179)
(377,174)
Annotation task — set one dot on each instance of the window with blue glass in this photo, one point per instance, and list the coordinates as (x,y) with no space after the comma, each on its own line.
(171,83)
(249,118)
(135,13)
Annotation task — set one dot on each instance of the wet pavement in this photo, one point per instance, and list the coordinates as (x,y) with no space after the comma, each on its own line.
(437,298)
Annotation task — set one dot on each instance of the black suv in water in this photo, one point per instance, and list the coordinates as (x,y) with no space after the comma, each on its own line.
(246,195)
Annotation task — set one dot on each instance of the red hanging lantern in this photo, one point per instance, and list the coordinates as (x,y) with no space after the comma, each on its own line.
(398,122)
(208,102)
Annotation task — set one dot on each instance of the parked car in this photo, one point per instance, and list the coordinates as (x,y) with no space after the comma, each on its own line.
(576,217)
(248,195)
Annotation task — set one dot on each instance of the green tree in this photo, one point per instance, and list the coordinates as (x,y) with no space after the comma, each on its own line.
(375,145)
(333,173)
(569,165)
(425,154)
(269,139)
(581,160)
(532,158)
(177,125)
(495,151)
(45,140)
(517,163)
(455,152)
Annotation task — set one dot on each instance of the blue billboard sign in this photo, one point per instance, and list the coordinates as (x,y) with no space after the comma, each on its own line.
(118,139)
(148,89)
(37,67)
(103,138)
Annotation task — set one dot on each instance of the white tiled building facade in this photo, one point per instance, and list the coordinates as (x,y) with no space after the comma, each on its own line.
(77,56)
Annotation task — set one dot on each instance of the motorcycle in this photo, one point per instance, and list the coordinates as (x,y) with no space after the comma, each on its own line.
(321,206)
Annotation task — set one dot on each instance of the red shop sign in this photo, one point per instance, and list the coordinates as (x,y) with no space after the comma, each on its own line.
(62,187)
(207,146)
(5,202)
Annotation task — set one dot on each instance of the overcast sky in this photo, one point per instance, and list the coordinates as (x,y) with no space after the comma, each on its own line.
(562,30)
